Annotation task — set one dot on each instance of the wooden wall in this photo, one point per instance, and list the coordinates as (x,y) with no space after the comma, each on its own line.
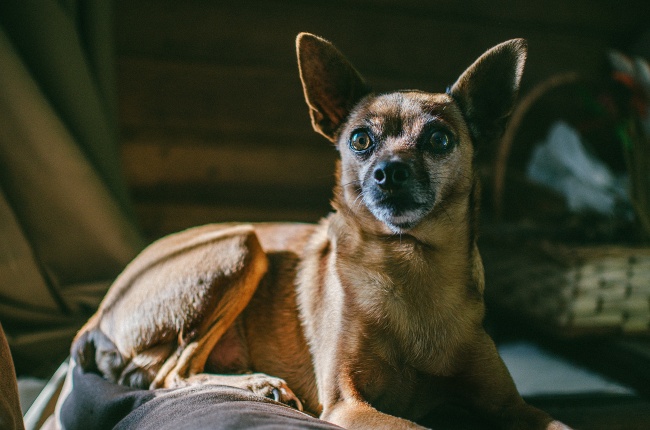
(213,122)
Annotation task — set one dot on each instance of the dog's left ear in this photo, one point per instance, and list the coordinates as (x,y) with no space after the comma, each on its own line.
(487,90)
(332,86)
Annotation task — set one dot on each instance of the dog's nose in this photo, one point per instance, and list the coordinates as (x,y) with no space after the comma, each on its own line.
(392,174)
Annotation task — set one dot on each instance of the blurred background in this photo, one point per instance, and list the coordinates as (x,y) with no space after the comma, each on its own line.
(212,118)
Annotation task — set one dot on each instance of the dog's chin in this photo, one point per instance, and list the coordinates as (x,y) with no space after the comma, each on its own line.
(399,218)
(400,224)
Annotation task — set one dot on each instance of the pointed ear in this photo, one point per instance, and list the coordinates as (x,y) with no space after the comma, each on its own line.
(332,86)
(487,90)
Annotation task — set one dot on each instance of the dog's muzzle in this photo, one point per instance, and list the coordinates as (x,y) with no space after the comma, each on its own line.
(394,196)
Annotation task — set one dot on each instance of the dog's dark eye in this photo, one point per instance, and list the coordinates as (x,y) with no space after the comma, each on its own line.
(441,142)
(360,141)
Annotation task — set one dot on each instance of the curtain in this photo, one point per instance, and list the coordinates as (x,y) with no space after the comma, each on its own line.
(66,224)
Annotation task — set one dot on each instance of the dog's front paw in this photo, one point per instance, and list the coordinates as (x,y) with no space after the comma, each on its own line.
(272,388)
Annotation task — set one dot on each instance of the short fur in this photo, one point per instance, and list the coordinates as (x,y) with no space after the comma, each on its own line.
(367,319)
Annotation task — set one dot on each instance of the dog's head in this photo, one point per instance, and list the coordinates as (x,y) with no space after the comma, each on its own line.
(406,156)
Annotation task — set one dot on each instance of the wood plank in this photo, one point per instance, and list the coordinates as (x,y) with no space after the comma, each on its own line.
(154,160)
(586,17)
(161,218)
(198,29)
(194,97)
(258,102)
(415,41)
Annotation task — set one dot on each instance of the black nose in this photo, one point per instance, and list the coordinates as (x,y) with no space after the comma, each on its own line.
(392,175)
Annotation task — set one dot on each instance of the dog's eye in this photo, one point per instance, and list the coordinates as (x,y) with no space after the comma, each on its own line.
(441,142)
(360,141)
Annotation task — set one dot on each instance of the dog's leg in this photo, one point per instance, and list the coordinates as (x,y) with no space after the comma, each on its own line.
(168,309)
(184,370)
(356,414)
(345,406)
(488,388)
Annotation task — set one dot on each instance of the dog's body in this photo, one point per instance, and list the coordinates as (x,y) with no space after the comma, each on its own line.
(374,314)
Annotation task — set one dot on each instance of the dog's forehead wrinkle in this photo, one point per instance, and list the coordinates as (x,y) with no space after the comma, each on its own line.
(405,120)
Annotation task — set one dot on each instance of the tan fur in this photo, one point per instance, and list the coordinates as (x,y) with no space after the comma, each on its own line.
(368,319)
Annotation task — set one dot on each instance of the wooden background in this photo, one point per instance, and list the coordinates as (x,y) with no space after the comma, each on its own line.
(213,122)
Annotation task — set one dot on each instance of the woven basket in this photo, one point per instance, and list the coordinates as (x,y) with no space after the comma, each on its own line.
(567,289)
(572,290)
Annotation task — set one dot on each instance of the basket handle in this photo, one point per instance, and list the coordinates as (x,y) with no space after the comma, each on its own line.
(505,145)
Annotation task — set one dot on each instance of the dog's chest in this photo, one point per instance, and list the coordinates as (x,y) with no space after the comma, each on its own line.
(413,308)
(401,391)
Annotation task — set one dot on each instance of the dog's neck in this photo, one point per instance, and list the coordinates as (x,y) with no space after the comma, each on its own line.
(399,281)
(441,245)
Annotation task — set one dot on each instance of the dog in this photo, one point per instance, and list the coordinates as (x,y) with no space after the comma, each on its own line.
(368,319)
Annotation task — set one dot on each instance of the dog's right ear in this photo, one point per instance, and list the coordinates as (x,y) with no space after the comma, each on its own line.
(332,86)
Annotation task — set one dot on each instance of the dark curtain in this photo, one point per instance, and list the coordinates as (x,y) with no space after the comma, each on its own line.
(66,226)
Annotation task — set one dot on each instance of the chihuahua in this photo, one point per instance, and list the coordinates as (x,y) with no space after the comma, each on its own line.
(370,318)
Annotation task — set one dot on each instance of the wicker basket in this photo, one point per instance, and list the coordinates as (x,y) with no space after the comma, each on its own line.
(572,290)
(567,289)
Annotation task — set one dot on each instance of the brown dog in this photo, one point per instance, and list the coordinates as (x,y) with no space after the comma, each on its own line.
(374,314)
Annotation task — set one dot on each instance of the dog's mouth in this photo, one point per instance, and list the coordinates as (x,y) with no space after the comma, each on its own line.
(399,211)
